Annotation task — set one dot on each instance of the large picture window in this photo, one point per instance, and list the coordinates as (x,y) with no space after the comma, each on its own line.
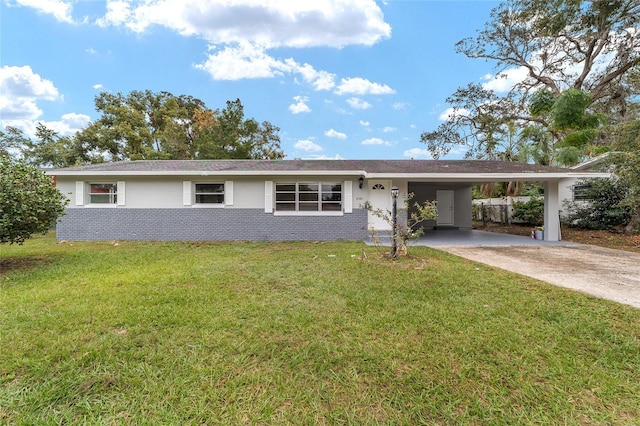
(309,197)
(209,193)
(103,193)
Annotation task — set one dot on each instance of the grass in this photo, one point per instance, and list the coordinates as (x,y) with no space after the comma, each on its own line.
(301,333)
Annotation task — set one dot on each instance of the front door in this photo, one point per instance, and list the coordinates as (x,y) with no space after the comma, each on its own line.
(379,198)
(445,207)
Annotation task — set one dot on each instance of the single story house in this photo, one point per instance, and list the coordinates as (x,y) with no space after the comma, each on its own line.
(272,200)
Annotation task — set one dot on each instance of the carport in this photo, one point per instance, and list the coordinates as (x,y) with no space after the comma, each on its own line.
(450,183)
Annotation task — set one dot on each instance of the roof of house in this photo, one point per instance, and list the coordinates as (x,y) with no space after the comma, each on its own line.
(594,162)
(366,168)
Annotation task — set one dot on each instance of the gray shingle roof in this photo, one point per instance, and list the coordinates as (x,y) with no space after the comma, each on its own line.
(348,166)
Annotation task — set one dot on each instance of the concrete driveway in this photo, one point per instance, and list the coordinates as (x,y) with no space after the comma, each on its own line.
(601,272)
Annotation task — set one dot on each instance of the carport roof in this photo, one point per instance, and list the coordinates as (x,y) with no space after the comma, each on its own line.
(476,170)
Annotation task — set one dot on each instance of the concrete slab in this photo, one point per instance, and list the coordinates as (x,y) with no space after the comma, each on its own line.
(601,272)
(473,238)
(598,271)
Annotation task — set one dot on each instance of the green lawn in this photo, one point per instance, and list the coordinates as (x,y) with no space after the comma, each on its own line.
(301,333)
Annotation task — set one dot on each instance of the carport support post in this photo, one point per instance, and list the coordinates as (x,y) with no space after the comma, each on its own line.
(394,219)
(551,211)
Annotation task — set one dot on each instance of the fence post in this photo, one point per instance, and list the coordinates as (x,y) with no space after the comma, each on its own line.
(483,214)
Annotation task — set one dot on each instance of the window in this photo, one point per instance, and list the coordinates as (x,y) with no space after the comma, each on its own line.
(209,193)
(581,192)
(309,197)
(103,193)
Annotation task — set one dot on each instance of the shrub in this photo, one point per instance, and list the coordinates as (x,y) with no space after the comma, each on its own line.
(408,228)
(29,201)
(530,212)
(603,208)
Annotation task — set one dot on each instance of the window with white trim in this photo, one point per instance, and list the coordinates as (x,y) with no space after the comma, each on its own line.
(103,193)
(309,197)
(209,193)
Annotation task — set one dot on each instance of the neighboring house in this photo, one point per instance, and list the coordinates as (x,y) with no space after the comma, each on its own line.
(573,189)
(271,200)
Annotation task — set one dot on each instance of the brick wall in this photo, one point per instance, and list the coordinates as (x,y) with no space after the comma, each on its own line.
(207,225)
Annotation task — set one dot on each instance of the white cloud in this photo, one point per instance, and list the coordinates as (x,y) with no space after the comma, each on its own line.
(242,61)
(60,10)
(364,123)
(321,80)
(20,90)
(389,129)
(504,81)
(332,23)
(300,105)
(357,103)
(331,133)
(362,86)
(69,124)
(450,113)
(376,141)
(308,146)
(418,153)
(118,13)
(398,106)
(249,61)
(97,86)
(240,48)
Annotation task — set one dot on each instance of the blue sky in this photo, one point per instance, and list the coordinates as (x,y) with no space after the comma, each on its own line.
(352,79)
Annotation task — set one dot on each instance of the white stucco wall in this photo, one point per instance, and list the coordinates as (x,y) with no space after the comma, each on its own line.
(167,192)
(462,208)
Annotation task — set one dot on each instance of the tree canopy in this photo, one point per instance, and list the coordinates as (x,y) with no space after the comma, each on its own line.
(578,57)
(144,125)
(29,201)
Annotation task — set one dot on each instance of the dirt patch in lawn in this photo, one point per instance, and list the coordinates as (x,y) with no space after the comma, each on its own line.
(22,263)
(610,239)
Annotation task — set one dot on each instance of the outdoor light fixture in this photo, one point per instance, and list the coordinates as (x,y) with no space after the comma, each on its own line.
(361,181)
(394,217)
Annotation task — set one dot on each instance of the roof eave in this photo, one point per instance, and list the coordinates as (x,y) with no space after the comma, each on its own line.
(208,173)
(488,177)
(433,177)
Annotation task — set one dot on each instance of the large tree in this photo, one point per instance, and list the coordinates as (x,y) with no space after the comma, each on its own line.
(144,125)
(29,201)
(576,56)
(147,125)
(227,134)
